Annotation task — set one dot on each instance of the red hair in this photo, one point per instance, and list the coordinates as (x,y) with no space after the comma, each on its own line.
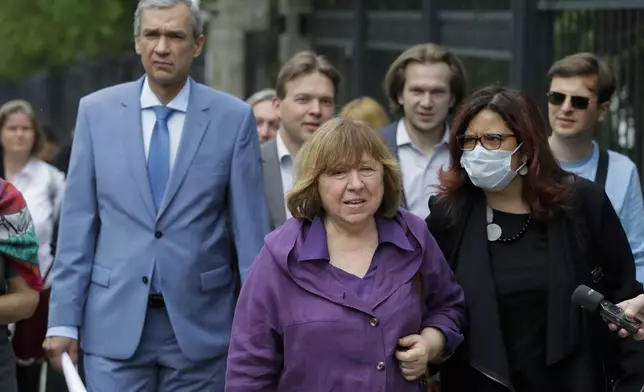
(543,185)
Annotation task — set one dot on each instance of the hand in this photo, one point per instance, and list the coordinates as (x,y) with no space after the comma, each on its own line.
(633,307)
(54,348)
(422,349)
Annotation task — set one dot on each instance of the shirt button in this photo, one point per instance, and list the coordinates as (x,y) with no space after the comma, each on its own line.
(158,234)
(380,366)
(373,322)
(144,280)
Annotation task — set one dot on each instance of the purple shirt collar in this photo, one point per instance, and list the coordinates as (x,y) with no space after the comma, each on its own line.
(315,242)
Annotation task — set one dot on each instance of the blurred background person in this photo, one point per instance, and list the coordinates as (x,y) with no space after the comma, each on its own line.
(50,146)
(352,293)
(268,120)
(306,87)
(548,231)
(42,186)
(368,110)
(61,162)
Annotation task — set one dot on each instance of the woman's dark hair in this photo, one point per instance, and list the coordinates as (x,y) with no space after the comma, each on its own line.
(544,184)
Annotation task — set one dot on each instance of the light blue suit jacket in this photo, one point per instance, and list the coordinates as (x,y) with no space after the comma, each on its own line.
(110,234)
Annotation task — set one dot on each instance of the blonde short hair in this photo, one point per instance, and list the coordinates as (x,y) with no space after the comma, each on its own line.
(341,143)
(368,110)
(22,106)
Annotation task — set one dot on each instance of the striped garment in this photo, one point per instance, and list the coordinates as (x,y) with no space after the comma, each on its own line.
(18,241)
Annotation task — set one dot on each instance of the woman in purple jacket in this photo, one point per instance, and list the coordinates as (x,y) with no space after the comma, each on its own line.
(352,294)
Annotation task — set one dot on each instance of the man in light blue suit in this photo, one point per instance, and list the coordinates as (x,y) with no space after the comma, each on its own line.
(163,172)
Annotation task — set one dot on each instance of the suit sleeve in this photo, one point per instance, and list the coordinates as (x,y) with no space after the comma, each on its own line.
(78,230)
(248,211)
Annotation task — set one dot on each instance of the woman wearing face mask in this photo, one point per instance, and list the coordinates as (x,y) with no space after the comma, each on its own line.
(521,234)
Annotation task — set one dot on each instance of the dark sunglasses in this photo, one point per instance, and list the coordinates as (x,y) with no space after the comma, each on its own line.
(576,101)
(489,141)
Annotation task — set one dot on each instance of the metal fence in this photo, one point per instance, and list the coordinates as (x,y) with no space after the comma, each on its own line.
(55,93)
(511,42)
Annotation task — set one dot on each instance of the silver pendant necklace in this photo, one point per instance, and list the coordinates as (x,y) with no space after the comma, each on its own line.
(493,230)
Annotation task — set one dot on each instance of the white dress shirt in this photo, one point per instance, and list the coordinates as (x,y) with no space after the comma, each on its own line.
(420,171)
(148,119)
(286,169)
(175,121)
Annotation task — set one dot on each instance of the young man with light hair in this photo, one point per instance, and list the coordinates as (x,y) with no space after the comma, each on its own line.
(425,85)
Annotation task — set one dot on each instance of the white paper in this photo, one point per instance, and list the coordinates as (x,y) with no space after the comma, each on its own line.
(74,383)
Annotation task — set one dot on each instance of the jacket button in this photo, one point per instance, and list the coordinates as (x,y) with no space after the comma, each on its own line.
(144,280)
(373,322)
(158,234)
(380,366)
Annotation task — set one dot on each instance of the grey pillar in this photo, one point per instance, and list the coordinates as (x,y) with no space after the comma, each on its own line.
(228,23)
(292,40)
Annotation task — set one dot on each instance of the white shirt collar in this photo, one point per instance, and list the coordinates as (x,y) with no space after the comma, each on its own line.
(31,169)
(179,103)
(282,151)
(402,136)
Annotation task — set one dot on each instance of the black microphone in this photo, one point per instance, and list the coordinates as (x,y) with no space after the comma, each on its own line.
(594,302)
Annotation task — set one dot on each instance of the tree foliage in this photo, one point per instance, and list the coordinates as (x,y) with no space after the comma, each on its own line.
(37,34)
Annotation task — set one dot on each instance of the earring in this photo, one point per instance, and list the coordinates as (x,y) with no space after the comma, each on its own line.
(523,171)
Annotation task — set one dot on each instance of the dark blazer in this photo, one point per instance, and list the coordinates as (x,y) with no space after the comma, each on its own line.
(388,135)
(584,235)
(273,184)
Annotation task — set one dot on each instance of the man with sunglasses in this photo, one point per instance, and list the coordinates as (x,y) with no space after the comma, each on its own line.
(581,86)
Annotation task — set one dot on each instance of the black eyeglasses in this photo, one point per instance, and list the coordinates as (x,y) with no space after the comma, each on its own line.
(576,101)
(489,141)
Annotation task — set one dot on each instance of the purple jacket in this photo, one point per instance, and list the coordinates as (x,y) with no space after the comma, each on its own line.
(297,327)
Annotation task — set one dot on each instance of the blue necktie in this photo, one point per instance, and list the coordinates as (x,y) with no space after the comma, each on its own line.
(159,155)
(159,169)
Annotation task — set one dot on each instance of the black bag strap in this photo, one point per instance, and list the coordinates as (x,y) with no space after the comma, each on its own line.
(602,168)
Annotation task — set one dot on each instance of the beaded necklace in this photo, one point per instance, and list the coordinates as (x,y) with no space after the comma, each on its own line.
(495,233)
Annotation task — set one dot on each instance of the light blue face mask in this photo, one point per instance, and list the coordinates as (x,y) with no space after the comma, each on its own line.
(490,170)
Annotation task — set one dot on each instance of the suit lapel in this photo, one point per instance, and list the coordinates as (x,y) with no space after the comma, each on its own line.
(194,127)
(474,273)
(273,184)
(131,136)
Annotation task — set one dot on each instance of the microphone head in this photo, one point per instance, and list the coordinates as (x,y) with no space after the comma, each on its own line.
(587,298)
